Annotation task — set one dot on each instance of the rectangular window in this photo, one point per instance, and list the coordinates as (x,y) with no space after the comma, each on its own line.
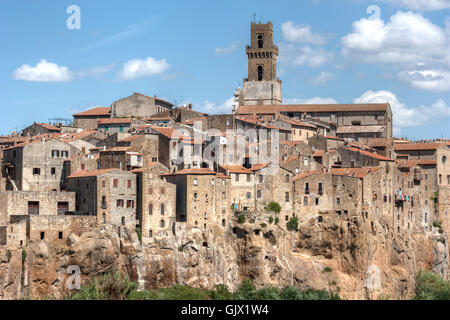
(65,154)
(440,179)
(286,196)
(317,201)
(150,208)
(287,178)
(104,202)
(248,177)
(150,190)
(33,207)
(195,182)
(162,208)
(163,190)
(36,171)
(120,203)
(83,166)
(338,201)
(162,223)
(195,195)
(261,178)
(60,235)
(236,177)
(62,208)
(258,194)
(150,233)
(249,195)
(115,183)
(55,153)
(53,171)
(42,235)
(305,201)
(129,184)
(103,183)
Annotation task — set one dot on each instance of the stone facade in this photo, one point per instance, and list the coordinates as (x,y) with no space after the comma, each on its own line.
(139,106)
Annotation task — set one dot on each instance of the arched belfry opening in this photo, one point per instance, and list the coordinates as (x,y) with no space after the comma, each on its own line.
(260,41)
(260,73)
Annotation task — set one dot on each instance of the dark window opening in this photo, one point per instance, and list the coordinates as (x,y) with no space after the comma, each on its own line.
(36,171)
(33,208)
(60,235)
(63,207)
(260,41)
(53,171)
(123,220)
(320,219)
(42,235)
(260,73)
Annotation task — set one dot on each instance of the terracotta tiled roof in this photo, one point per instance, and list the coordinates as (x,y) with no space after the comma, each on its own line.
(302,175)
(99,111)
(114,121)
(319,153)
(359,129)
(412,163)
(236,169)
(370,154)
(273,109)
(295,122)
(192,171)
(192,120)
(90,173)
(73,136)
(48,126)
(257,167)
(288,160)
(354,172)
(417,146)
(148,167)
(333,138)
(120,149)
(168,132)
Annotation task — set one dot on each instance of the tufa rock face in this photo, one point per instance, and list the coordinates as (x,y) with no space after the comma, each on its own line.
(347,256)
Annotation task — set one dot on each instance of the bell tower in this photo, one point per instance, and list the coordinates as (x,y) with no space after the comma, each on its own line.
(262,87)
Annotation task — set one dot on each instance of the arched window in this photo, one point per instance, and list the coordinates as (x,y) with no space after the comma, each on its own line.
(260,40)
(260,73)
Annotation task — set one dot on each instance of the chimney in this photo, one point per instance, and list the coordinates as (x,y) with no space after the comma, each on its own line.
(190,106)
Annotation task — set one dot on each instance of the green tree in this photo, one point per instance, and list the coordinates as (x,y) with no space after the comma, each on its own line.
(245,291)
(293,224)
(274,207)
(241,218)
(429,286)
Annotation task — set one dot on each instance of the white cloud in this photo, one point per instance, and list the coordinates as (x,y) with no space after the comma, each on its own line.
(420,5)
(213,108)
(432,80)
(304,55)
(407,38)
(412,43)
(323,78)
(405,116)
(315,100)
(227,50)
(43,72)
(300,34)
(138,68)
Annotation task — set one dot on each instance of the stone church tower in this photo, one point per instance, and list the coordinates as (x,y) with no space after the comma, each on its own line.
(262,87)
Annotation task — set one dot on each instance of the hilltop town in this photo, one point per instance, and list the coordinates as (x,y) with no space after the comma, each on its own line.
(272,192)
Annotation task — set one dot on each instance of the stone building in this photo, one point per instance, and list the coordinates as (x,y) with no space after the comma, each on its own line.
(242,187)
(202,197)
(40,128)
(88,119)
(114,125)
(156,201)
(109,194)
(262,87)
(124,158)
(36,203)
(139,106)
(37,166)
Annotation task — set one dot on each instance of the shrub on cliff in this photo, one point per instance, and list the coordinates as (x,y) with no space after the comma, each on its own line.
(245,291)
(429,286)
(293,224)
(274,207)
(241,218)
(106,287)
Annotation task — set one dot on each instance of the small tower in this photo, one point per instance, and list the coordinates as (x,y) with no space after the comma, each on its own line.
(262,87)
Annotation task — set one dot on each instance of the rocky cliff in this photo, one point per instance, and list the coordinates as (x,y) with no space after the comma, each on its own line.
(357,257)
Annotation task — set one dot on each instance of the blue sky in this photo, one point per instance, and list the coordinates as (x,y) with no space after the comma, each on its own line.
(194,52)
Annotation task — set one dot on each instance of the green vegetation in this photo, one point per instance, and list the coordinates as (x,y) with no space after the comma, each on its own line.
(106,287)
(327,269)
(263,225)
(277,220)
(139,234)
(274,207)
(241,218)
(429,286)
(117,287)
(436,224)
(270,220)
(293,224)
